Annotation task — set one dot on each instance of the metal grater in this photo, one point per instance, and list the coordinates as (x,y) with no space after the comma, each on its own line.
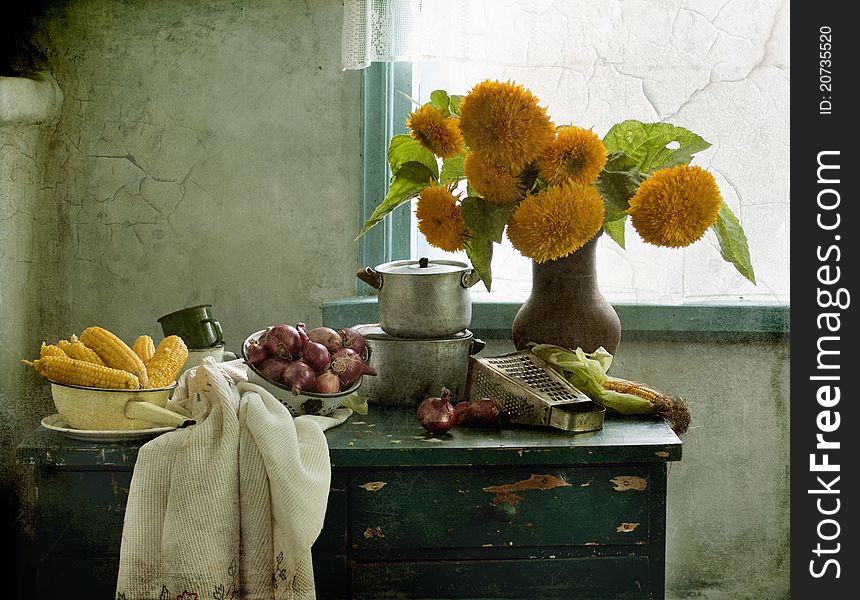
(529,392)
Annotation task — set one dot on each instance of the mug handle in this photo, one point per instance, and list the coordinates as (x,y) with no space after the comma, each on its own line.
(218,332)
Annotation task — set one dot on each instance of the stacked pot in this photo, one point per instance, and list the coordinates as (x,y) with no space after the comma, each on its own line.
(422,342)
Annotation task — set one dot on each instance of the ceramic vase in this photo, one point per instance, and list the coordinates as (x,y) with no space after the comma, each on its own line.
(565,306)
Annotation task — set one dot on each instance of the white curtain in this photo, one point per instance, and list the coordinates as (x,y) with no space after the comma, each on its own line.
(405,30)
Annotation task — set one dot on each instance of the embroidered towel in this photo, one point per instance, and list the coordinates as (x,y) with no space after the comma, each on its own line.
(230,507)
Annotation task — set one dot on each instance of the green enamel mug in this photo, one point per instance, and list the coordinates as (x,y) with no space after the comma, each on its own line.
(196,325)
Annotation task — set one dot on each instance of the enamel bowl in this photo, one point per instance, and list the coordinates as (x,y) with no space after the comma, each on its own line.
(305,403)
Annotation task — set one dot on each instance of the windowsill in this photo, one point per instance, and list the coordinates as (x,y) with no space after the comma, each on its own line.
(738,321)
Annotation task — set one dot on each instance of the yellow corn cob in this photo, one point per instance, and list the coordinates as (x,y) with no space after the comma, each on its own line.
(74,348)
(115,353)
(62,369)
(168,360)
(50,350)
(635,388)
(144,347)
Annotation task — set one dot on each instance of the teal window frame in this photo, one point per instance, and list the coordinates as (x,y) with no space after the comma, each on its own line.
(385,105)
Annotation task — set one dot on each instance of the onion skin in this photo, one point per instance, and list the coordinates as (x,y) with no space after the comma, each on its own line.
(480,413)
(299,376)
(437,415)
(256,353)
(349,367)
(283,341)
(327,382)
(316,356)
(352,339)
(326,336)
(273,369)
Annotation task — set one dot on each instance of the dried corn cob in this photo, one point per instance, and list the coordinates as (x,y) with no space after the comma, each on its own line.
(62,369)
(114,352)
(144,347)
(167,361)
(626,386)
(671,408)
(587,372)
(50,350)
(75,348)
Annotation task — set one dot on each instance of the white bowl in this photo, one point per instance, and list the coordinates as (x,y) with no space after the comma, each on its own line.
(305,403)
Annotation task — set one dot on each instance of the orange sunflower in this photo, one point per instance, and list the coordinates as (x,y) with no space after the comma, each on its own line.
(675,206)
(553,223)
(440,220)
(576,154)
(504,123)
(495,184)
(436,132)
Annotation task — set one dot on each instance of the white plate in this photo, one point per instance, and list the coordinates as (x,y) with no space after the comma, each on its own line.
(56,423)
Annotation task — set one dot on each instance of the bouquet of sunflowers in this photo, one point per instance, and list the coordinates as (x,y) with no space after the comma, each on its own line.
(549,189)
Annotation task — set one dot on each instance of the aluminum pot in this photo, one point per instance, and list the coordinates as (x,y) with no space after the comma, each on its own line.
(411,369)
(422,298)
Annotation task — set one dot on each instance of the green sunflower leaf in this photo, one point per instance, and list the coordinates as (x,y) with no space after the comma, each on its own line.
(617,183)
(646,144)
(484,218)
(615,230)
(480,252)
(456,99)
(403,149)
(410,179)
(733,242)
(452,168)
(439,99)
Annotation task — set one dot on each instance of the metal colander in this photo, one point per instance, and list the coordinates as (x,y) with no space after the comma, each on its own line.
(529,392)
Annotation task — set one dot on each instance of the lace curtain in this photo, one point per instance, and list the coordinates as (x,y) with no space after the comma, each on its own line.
(405,30)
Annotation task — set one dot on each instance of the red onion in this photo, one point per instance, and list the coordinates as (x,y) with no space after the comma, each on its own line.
(273,369)
(481,413)
(299,376)
(437,415)
(327,382)
(303,334)
(326,336)
(348,366)
(256,353)
(316,356)
(283,341)
(352,339)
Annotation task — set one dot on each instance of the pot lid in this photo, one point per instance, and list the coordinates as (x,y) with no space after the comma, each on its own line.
(422,266)
(372,331)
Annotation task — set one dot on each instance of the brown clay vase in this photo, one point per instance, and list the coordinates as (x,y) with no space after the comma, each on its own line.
(565,306)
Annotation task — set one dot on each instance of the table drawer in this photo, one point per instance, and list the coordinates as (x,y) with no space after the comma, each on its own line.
(604,578)
(490,508)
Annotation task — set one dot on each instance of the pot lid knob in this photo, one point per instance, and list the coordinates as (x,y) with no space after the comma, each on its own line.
(423,262)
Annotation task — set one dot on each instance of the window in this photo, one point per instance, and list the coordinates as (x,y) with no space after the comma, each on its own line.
(721,72)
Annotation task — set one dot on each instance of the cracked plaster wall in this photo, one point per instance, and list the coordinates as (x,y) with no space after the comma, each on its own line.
(720,68)
(208,152)
(204,155)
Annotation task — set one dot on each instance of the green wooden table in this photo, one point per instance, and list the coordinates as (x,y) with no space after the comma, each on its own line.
(478,513)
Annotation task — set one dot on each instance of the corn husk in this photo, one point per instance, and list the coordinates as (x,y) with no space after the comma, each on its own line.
(587,371)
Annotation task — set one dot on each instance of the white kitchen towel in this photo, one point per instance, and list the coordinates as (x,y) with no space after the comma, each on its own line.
(230,507)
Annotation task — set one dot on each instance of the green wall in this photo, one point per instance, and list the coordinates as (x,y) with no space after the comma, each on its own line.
(209,153)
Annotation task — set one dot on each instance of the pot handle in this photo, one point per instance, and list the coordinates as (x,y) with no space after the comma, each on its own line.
(477,345)
(370,277)
(470,277)
(147,411)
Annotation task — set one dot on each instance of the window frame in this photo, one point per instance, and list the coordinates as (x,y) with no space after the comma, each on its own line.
(385,105)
